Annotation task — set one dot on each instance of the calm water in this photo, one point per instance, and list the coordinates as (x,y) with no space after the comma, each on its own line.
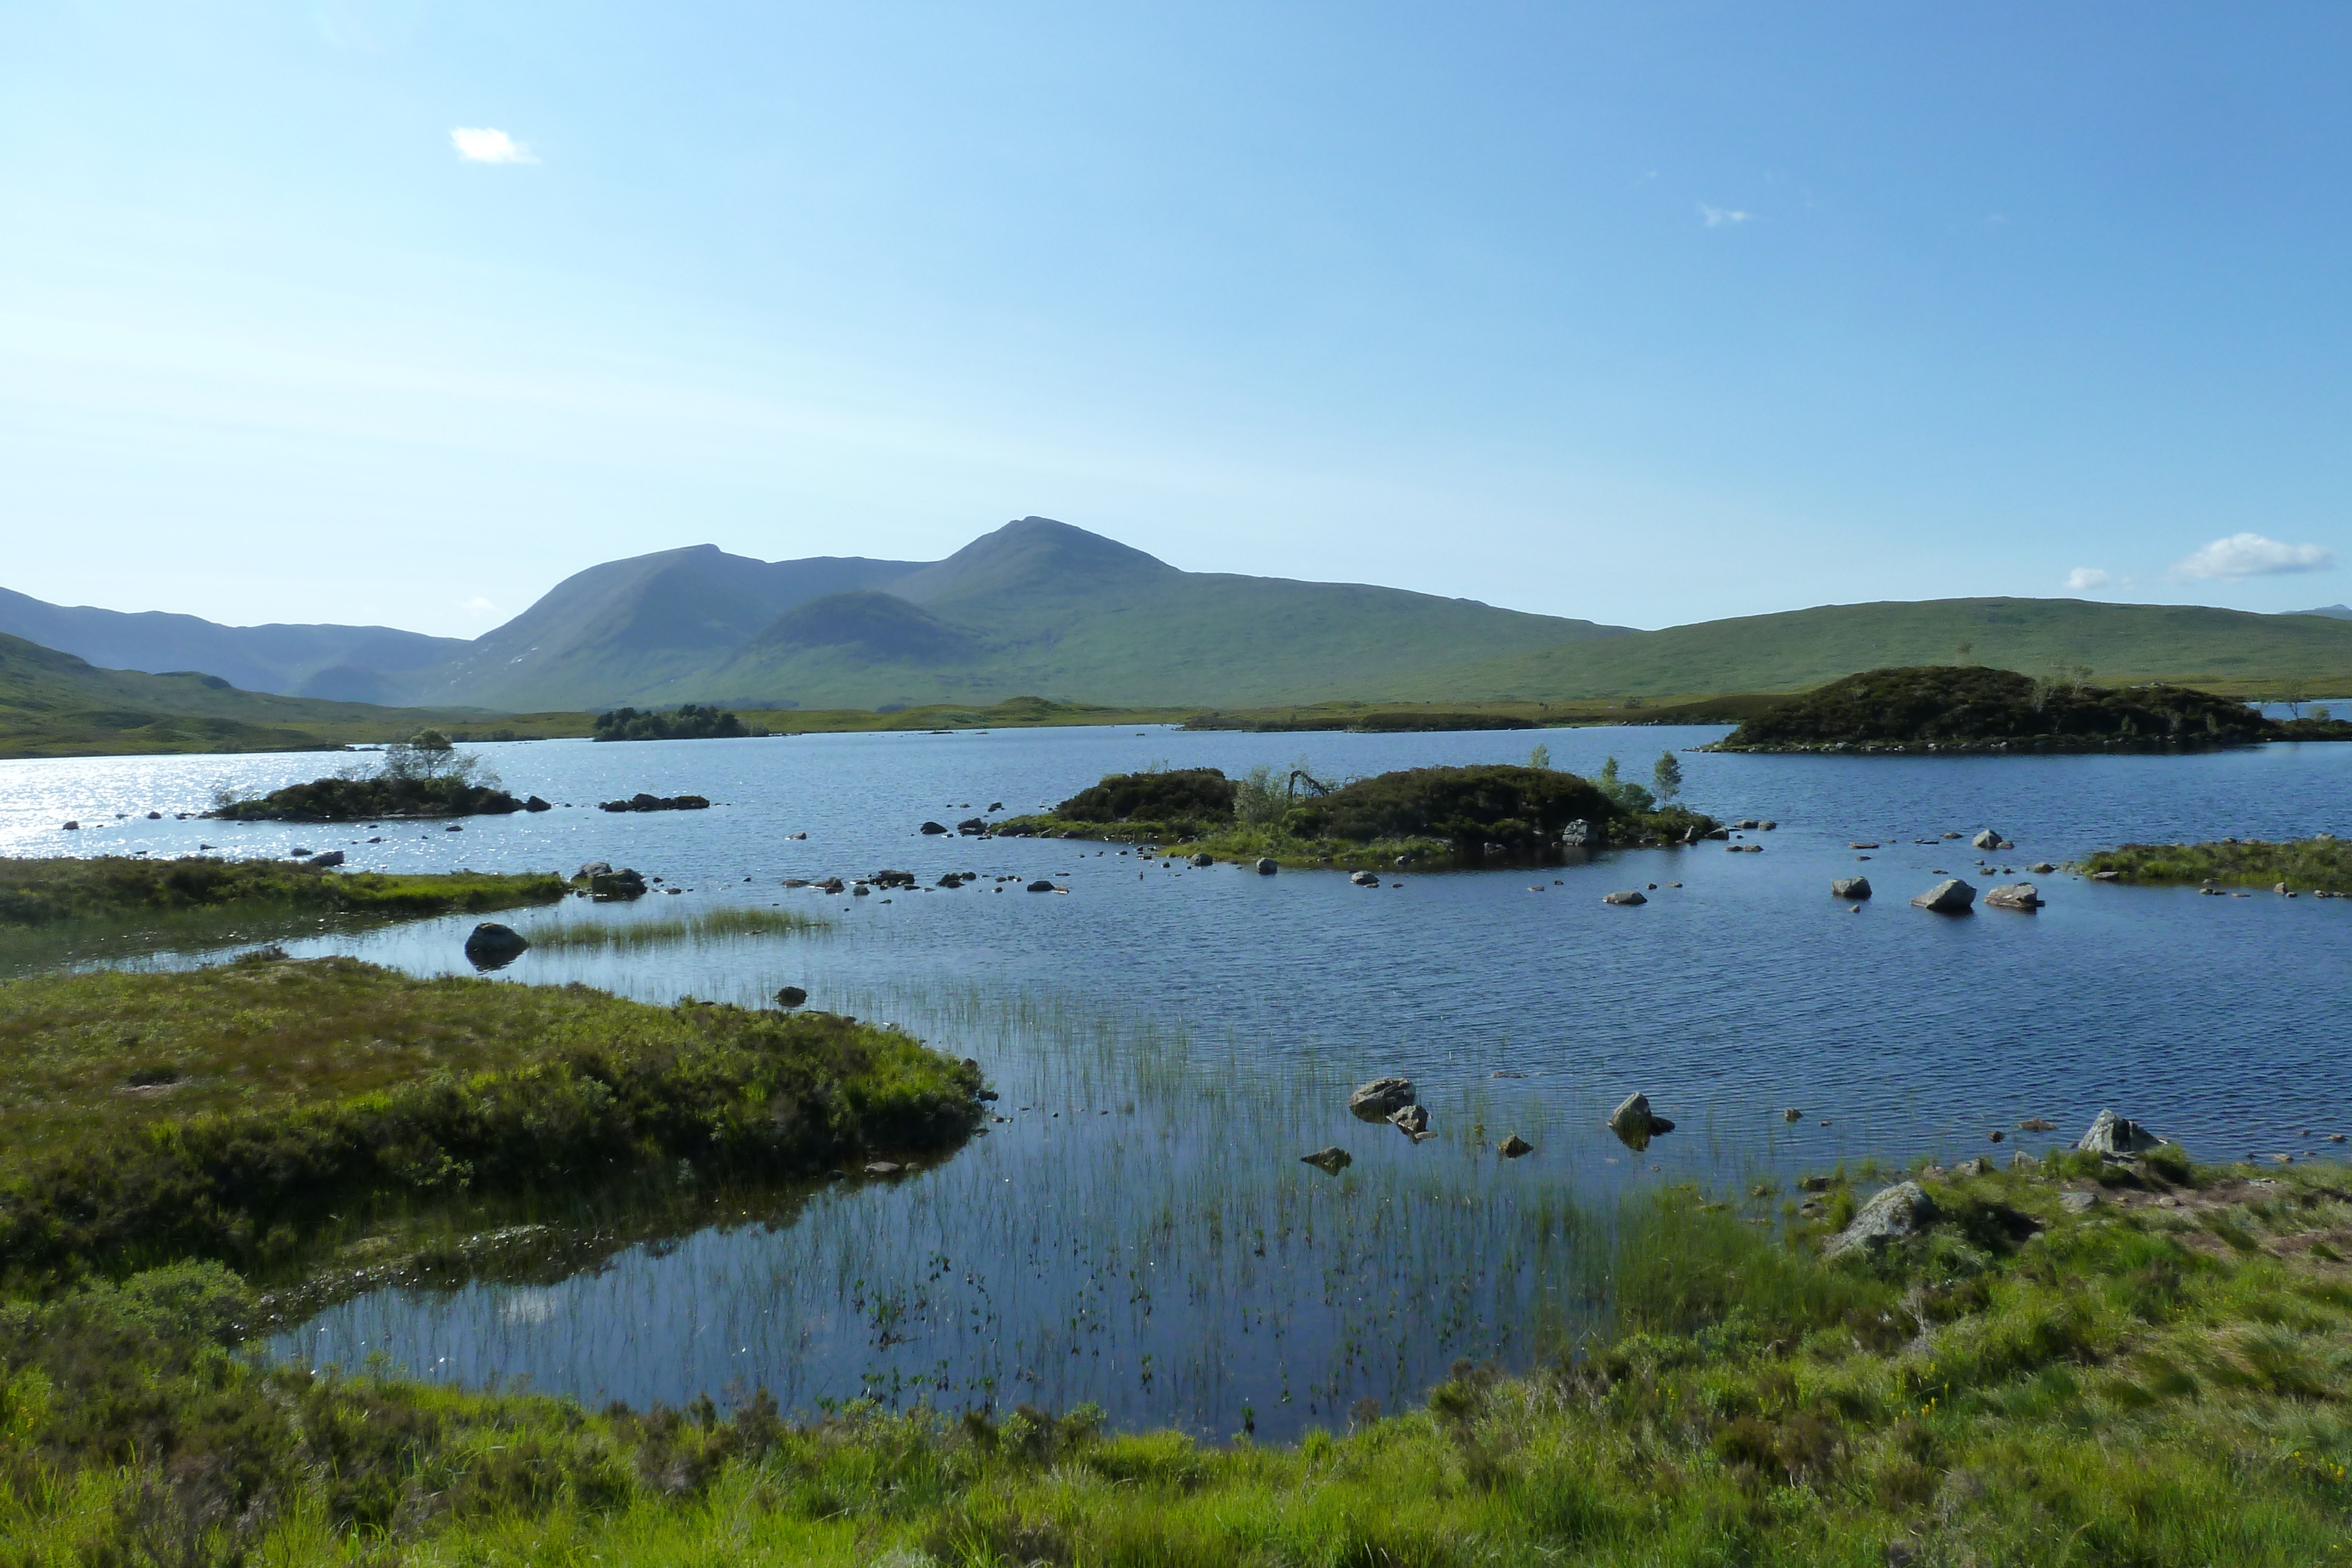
(1142,1234)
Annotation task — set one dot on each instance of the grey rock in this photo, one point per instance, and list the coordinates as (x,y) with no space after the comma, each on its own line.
(332,857)
(1850,887)
(1576,835)
(2037,1124)
(1988,840)
(1204,858)
(1365,878)
(2106,876)
(971,828)
(1381,1098)
(1331,1161)
(1898,1214)
(536,804)
(1635,1124)
(2013,895)
(883,1167)
(1041,885)
(1627,896)
(2077,1202)
(1512,1147)
(593,869)
(616,884)
(932,827)
(1950,896)
(1412,1119)
(2114,1134)
(1266,866)
(2041,868)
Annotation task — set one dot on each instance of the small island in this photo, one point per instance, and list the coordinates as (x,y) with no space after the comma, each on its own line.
(2320,865)
(1427,818)
(57,890)
(425,776)
(690,722)
(1968,708)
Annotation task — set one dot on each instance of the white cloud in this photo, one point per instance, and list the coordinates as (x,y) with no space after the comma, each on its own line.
(1717,218)
(478,605)
(2086,577)
(2250,555)
(480,144)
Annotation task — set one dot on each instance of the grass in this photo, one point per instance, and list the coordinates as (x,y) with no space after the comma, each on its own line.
(2146,1384)
(233,1112)
(629,935)
(55,890)
(2304,864)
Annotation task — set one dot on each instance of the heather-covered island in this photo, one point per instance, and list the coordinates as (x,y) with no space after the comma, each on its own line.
(2321,864)
(425,776)
(1970,708)
(1429,818)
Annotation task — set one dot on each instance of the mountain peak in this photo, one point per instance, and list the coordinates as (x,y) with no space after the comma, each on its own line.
(1032,553)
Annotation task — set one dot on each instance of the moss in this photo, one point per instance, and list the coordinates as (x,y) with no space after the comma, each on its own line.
(2304,864)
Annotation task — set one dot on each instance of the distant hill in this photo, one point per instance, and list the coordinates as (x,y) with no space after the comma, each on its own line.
(1037,606)
(2333,612)
(348,663)
(1799,648)
(55,705)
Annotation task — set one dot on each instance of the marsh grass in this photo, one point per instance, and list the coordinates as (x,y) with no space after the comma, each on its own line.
(2304,864)
(708,925)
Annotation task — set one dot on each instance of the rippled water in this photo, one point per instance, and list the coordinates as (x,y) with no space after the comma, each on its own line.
(1155,1245)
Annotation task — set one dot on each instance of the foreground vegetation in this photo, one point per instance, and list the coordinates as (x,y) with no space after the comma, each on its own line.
(1968,707)
(1432,817)
(54,890)
(2160,1380)
(2322,864)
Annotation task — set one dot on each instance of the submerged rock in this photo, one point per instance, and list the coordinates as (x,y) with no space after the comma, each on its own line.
(2037,1124)
(1204,858)
(2013,895)
(1381,1098)
(791,996)
(1331,1161)
(536,804)
(1635,1124)
(332,857)
(1041,885)
(1365,878)
(1411,1118)
(1628,896)
(2114,1134)
(641,802)
(1512,1147)
(607,885)
(1950,896)
(1898,1214)
(1266,866)
(934,828)
(1987,840)
(1850,887)
(2041,868)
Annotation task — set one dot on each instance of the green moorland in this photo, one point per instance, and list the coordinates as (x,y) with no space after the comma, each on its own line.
(1431,817)
(1970,707)
(2227,651)
(2322,864)
(54,705)
(2159,1380)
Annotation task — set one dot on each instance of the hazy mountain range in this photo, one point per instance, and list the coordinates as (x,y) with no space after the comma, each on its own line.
(1038,607)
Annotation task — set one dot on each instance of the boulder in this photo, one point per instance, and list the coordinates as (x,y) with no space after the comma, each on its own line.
(1626,896)
(1988,840)
(1041,885)
(834,885)
(613,884)
(1410,1118)
(934,827)
(791,996)
(1576,835)
(1898,1214)
(1635,1124)
(2114,1134)
(883,1167)
(1512,1147)
(1266,866)
(1381,1098)
(332,857)
(1850,887)
(592,870)
(1950,896)
(1331,1161)
(641,802)
(493,946)
(1204,858)
(1365,878)
(2041,868)
(2013,895)
(2037,1124)
(536,804)
(972,828)
(1792,1115)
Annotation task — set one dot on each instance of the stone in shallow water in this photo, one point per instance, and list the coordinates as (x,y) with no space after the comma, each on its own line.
(1952,896)
(1331,1161)
(1512,1147)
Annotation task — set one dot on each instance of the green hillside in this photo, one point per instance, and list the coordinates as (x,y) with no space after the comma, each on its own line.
(2228,650)
(1038,606)
(54,705)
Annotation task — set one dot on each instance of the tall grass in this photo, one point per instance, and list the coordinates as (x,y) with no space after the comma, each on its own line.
(708,925)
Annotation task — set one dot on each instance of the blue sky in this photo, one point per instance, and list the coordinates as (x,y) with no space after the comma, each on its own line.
(1648,314)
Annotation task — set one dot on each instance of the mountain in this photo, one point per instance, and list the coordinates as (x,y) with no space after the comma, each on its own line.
(1799,648)
(1037,607)
(55,705)
(344,663)
(2333,612)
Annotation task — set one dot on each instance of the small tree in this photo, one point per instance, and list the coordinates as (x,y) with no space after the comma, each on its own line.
(1623,793)
(2295,692)
(1541,758)
(1968,651)
(1666,778)
(428,755)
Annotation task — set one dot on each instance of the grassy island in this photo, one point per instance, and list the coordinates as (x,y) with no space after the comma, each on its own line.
(55,890)
(1964,708)
(1432,817)
(687,722)
(2073,1362)
(371,800)
(2322,864)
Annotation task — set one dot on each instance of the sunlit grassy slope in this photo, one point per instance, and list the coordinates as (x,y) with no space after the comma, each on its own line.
(2226,650)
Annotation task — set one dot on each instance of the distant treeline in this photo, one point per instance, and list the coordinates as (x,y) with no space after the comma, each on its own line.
(690,721)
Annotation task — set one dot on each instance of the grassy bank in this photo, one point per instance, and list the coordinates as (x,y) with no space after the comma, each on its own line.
(54,890)
(235,1113)
(2158,1380)
(2318,864)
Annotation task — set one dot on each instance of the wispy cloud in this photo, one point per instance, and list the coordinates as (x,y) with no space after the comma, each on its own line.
(478,605)
(1722,217)
(2084,578)
(481,145)
(2250,555)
